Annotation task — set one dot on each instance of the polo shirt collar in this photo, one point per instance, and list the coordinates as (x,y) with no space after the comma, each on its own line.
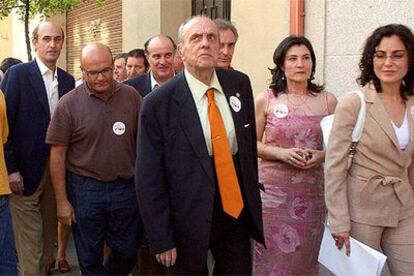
(116,86)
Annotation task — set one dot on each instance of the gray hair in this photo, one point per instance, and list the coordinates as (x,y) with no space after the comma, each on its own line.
(181,29)
(223,24)
(35,33)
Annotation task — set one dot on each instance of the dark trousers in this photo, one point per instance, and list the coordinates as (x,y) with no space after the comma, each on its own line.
(229,245)
(8,261)
(104,211)
(147,264)
(229,241)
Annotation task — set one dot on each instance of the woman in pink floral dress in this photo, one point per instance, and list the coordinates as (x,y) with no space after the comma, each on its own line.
(291,150)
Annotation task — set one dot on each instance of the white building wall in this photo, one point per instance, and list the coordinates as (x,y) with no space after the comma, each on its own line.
(347,24)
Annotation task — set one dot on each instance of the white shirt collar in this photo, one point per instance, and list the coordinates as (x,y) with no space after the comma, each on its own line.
(198,88)
(153,81)
(44,69)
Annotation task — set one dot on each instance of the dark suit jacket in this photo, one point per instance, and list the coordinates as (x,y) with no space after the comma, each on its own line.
(142,84)
(174,174)
(28,116)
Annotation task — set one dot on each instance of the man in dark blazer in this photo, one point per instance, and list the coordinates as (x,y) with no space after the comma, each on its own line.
(32,90)
(178,190)
(159,50)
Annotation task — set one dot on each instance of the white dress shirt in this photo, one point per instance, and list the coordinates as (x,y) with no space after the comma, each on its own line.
(50,79)
(154,83)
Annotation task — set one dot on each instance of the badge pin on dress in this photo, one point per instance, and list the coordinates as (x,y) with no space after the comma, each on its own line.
(281,111)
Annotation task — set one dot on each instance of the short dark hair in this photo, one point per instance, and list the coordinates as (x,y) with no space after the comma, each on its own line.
(139,53)
(121,55)
(8,62)
(279,84)
(366,64)
(155,36)
(35,33)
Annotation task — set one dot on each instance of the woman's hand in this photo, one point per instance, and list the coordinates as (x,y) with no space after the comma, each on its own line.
(342,239)
(314,158)
(293,156)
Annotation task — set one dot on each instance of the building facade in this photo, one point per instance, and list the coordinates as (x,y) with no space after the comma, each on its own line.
(337,29)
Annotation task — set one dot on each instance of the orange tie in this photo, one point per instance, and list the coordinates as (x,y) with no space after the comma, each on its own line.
(226,173)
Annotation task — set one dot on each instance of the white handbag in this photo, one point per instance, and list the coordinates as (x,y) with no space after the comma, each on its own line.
(326,125)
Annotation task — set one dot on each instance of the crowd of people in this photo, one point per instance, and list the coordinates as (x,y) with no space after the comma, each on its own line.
(161,155)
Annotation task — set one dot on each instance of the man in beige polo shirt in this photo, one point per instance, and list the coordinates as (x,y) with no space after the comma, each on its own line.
(93,136)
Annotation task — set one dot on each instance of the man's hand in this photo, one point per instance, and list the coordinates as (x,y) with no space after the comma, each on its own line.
(65,212)
(16,183)
(167,258)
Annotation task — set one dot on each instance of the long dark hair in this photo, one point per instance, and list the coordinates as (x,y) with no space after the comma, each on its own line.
(366,65)
(279,84)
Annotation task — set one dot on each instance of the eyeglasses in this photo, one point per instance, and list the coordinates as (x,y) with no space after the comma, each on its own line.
(381,56)
(93,74)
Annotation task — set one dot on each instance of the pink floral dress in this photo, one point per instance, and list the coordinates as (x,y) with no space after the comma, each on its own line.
(293,201)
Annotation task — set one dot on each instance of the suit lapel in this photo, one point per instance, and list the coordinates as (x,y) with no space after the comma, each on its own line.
(36,80)
(61,83)
(379,114)
(191,126)
(230,90)
(410,114)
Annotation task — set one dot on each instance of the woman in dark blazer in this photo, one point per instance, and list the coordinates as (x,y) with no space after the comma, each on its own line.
(373,201)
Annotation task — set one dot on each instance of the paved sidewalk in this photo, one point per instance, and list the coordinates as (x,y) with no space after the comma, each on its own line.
(73,260)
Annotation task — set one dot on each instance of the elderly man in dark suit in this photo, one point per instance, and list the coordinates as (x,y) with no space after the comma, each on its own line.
(159,50)
(196,172)
(32,91)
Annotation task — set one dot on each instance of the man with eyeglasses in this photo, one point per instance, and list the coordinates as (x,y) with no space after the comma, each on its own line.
(93,137)
(32,91)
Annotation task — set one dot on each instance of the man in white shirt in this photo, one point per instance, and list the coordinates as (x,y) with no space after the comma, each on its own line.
(159,50)
(32,91)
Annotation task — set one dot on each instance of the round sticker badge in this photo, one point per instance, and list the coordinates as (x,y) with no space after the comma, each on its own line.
(235,103)
(119,128)
(281,111)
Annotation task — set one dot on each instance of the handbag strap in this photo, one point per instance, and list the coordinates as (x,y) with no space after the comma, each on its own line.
(359,127)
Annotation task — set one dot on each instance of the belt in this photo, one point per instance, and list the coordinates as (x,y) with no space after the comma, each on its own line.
(401,188)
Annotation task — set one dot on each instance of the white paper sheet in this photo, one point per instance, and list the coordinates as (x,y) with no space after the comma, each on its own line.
(363,261)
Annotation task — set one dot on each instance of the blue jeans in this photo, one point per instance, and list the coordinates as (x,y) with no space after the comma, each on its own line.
(8,260)
(104,211)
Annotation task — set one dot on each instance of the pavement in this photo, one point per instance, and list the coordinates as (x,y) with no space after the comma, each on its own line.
(73,260)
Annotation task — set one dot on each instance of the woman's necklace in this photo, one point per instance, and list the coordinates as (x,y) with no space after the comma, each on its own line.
(300,98)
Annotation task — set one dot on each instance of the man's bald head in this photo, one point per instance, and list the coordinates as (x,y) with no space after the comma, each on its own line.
(95,52)
(97,68)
